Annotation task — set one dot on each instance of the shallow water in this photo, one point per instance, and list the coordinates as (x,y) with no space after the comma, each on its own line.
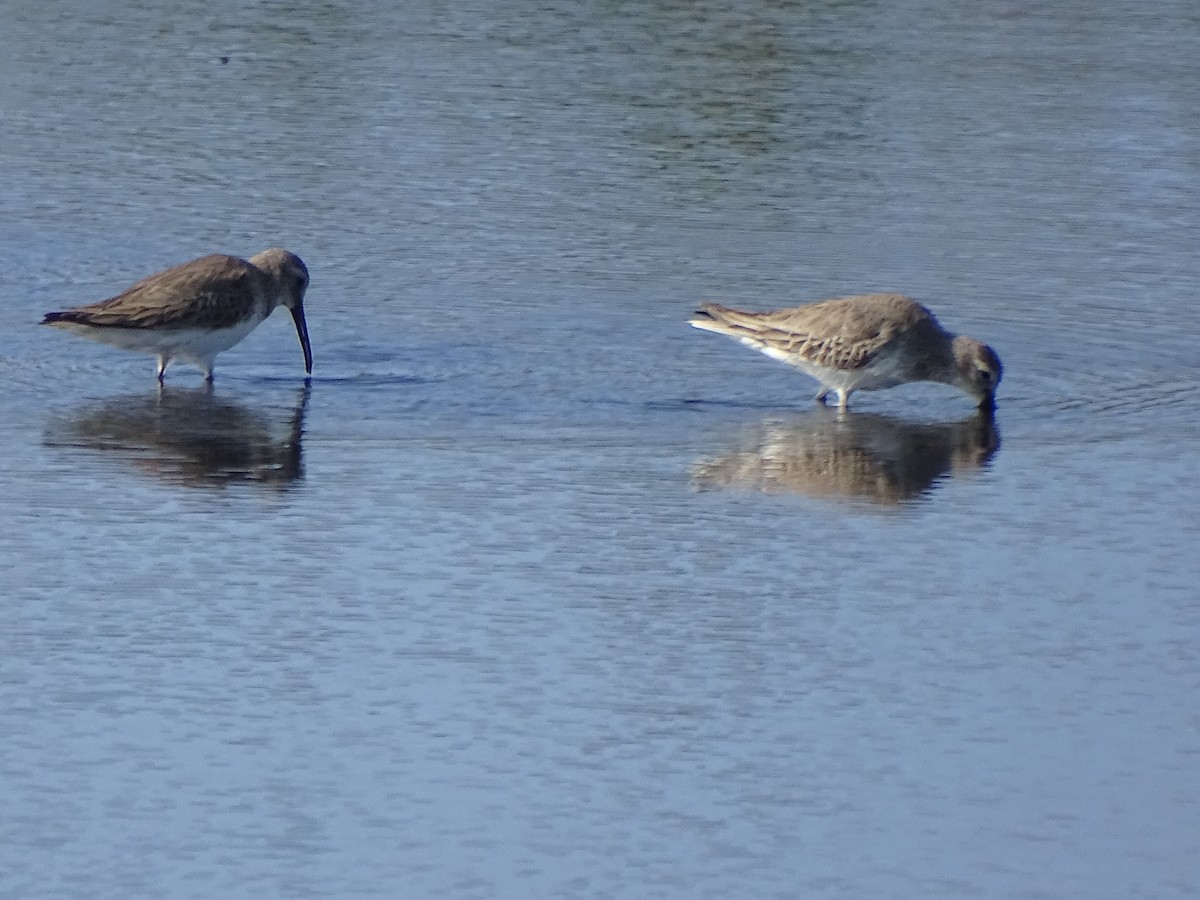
(536,591)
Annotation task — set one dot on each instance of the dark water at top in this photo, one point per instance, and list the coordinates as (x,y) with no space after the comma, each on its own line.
(537,591)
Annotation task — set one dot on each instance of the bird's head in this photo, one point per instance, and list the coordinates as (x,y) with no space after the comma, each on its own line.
(977,370)
(290,278)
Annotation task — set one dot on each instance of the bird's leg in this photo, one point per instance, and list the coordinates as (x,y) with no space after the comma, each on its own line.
(162,368)
(208,374)
(822,395)
(843,398)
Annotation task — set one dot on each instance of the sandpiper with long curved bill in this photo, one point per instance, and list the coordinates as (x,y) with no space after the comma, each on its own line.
(866,343)
(196,310)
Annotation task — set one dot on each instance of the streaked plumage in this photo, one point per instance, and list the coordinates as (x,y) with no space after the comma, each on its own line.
(867,342)
(196,310)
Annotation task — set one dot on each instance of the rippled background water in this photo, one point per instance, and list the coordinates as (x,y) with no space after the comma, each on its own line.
(537,591)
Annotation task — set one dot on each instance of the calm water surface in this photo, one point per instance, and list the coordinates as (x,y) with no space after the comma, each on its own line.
(537,592)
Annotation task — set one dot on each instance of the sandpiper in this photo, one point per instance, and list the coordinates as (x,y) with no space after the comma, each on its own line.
(198,309)
(868,343)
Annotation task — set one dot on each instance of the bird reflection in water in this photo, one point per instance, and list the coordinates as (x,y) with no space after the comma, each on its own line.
(192,438)
(870,458)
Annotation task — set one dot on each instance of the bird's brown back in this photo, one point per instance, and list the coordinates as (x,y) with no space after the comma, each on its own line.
(843,333)
(214,291)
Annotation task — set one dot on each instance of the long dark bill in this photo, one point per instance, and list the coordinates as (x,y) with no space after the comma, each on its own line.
(302,333)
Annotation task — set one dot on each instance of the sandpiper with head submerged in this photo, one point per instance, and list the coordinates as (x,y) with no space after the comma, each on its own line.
(866,343)
(198,309)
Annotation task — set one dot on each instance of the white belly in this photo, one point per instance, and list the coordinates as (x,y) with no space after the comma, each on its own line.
(885,371)
(200,345)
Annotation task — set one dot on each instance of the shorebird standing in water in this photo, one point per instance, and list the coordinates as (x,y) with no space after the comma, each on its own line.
(866,343)
(196,310)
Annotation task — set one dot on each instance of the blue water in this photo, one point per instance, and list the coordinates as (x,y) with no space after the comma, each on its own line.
(537,592)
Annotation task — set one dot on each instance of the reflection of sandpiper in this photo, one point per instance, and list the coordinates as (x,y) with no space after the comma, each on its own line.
(192,438)
(865,343)
(859,457)
(196,310)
